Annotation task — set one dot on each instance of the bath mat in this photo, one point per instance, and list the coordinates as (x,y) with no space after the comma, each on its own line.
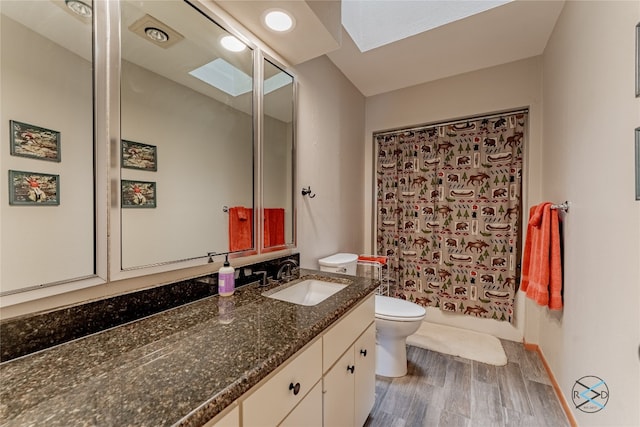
(459,342)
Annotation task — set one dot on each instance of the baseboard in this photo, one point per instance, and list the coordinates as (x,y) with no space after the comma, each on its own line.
(554,383)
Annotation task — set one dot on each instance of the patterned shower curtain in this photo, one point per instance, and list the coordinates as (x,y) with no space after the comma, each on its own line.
(448,213)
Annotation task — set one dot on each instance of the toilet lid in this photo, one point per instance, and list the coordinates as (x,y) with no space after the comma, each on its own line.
(338,260)
(398,309)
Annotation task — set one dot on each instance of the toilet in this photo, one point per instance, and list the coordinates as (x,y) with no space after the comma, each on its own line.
(396,319)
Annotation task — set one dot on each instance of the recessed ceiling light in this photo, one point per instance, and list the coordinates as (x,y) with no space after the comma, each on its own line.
(278,20)
(80,8)
(156,34)
(232,43)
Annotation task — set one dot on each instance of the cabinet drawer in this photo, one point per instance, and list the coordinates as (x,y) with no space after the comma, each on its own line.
(273,400)
(344,333)
(309,412)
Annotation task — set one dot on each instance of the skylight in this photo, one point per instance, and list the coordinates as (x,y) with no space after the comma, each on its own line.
(375,23)
(229,79)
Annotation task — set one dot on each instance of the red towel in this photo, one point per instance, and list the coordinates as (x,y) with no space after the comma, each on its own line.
(240,228)
(273,227)
(542,264)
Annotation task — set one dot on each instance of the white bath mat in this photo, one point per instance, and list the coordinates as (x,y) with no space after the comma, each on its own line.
(459,342)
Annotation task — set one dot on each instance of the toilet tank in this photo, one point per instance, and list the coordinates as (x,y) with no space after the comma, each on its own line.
(339,263)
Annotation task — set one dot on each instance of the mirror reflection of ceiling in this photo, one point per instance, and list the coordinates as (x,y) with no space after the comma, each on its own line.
(200,46)
(372,24)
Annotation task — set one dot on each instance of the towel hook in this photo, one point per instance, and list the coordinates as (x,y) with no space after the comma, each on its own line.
(564,207)
(307,192)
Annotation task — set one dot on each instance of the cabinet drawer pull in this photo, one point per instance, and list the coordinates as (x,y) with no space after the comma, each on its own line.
(295,388)
(351,368)
(364,352)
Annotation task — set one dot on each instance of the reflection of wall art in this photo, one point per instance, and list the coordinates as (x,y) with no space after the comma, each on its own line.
(637,163)
(34,141)
(32,188)
(139,156)
(638,60)
(138,194)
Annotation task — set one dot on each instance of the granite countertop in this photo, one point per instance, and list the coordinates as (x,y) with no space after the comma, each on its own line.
(179,367)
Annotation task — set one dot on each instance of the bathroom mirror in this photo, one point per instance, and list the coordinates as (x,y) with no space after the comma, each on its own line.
(186,151)
(277,156)
(47,205)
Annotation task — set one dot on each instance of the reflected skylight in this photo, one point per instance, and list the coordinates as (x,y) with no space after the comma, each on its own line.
(229,79)
(375,23)
(224,76)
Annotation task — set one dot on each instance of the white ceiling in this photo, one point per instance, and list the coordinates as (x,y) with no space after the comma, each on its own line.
(516,30)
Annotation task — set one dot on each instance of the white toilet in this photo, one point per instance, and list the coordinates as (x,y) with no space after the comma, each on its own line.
(396,319)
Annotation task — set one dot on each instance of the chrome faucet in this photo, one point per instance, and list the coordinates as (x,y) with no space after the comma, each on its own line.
(288,270)
(264,281)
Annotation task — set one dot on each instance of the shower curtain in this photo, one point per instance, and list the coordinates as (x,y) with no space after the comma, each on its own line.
(448,213)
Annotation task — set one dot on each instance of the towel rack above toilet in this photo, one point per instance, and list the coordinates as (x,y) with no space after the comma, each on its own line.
(564,207)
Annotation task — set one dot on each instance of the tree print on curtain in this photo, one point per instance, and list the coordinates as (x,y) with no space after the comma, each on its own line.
(448,202)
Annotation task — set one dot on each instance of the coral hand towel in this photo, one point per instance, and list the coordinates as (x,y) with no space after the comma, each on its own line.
(542,264)
(273,227)
(240,228)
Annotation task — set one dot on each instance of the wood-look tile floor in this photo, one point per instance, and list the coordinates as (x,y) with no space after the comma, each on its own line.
(443,390)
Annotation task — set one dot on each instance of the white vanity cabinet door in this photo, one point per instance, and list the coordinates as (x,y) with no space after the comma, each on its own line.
(344,333)
(338,392)
(308,413)
(365,374)
(270,403)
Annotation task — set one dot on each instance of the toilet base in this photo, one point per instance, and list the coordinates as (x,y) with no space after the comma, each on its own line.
(391,357)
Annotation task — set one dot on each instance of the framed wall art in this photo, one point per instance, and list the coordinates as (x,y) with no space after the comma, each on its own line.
(138,194)
(33,188)
(34,141)
(135,155)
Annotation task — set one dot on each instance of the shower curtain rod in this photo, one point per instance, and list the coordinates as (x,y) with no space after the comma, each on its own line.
(451,122)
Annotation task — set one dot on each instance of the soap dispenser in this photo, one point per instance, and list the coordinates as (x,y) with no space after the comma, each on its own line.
(226,279)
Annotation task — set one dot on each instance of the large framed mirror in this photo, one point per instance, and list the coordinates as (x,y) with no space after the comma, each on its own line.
(48,214)
(278,131)
(187,142)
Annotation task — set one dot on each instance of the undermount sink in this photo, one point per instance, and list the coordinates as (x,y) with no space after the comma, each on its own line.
(306,292)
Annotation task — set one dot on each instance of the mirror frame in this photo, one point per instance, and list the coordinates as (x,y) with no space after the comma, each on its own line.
(100,42)
(294,129)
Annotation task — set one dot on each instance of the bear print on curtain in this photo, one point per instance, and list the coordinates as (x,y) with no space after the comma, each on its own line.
(448,213)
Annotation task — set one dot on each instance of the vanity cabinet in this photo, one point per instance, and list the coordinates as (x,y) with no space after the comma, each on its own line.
(349,386)
(331,382)
(273,400)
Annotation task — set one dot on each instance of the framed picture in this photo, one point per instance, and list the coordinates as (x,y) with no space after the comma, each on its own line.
(135,155)
(138,194)
(33,188)
(34,141)
(637,163)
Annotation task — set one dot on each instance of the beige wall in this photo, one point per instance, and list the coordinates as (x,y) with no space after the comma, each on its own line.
(510,86)
(590,113)
(330,160)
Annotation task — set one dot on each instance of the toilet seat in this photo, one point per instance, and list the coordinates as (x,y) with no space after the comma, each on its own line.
(398,310)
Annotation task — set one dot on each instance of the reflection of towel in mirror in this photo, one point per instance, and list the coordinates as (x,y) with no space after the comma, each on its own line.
(273,227)
(240,228)
(541,262)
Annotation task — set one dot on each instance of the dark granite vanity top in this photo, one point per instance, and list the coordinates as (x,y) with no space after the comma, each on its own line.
(178,367)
